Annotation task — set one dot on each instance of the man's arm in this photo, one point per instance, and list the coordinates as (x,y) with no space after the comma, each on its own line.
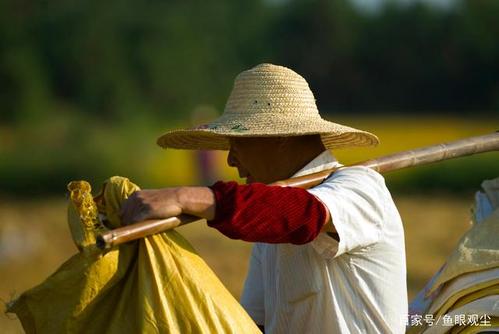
(169,202)
(253,212)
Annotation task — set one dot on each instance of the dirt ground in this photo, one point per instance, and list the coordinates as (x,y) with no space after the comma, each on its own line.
(35,240)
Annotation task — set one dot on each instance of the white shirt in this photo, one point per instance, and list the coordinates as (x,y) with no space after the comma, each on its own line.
(356,285)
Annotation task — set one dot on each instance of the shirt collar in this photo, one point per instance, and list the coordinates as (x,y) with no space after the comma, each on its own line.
(323,161)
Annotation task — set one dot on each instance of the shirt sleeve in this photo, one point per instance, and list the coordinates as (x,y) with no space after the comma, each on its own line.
(252,298)
(270,214)
(355,197)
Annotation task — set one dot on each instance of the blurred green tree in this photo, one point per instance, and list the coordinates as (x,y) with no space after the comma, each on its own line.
(74,68)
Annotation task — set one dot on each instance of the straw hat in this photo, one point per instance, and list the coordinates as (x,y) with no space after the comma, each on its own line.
(267,101)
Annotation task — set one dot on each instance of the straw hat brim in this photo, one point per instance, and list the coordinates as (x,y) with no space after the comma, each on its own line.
(215,135)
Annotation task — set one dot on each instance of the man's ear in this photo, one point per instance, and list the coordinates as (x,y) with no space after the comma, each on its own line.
(282,143)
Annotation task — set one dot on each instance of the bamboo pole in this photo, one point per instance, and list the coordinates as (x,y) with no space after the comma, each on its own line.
(397,161)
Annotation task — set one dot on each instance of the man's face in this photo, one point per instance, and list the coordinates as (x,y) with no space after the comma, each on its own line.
(256,159)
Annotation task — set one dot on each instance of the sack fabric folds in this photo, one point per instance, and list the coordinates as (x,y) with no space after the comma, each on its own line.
(467,285)
(155,285)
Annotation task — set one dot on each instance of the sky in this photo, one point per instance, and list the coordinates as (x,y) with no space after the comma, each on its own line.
(374,5)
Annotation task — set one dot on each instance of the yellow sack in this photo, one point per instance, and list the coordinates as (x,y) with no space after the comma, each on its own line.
(156,285)
(477,250)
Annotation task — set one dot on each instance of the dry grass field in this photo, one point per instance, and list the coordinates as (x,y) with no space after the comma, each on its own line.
(34,241)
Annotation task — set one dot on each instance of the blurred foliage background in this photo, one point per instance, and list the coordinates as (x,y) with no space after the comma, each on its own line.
(86,87)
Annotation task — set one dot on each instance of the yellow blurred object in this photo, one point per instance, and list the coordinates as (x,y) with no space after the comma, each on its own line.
(465,296)
(490,291)
(155,285)
(493,327)
(477,250)
(468,283)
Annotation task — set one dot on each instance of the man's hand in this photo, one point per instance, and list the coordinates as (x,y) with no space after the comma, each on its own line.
(151,204)
(168,202)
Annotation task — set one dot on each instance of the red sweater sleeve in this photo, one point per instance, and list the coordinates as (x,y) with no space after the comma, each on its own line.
(272,214)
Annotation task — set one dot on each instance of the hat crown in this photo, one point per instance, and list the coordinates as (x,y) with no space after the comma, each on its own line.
(267,101)
(271,89)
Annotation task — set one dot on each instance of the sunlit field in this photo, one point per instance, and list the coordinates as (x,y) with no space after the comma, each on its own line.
(34,241)
(81,148)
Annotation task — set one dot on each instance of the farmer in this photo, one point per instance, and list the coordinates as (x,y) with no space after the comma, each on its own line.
(329,259)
